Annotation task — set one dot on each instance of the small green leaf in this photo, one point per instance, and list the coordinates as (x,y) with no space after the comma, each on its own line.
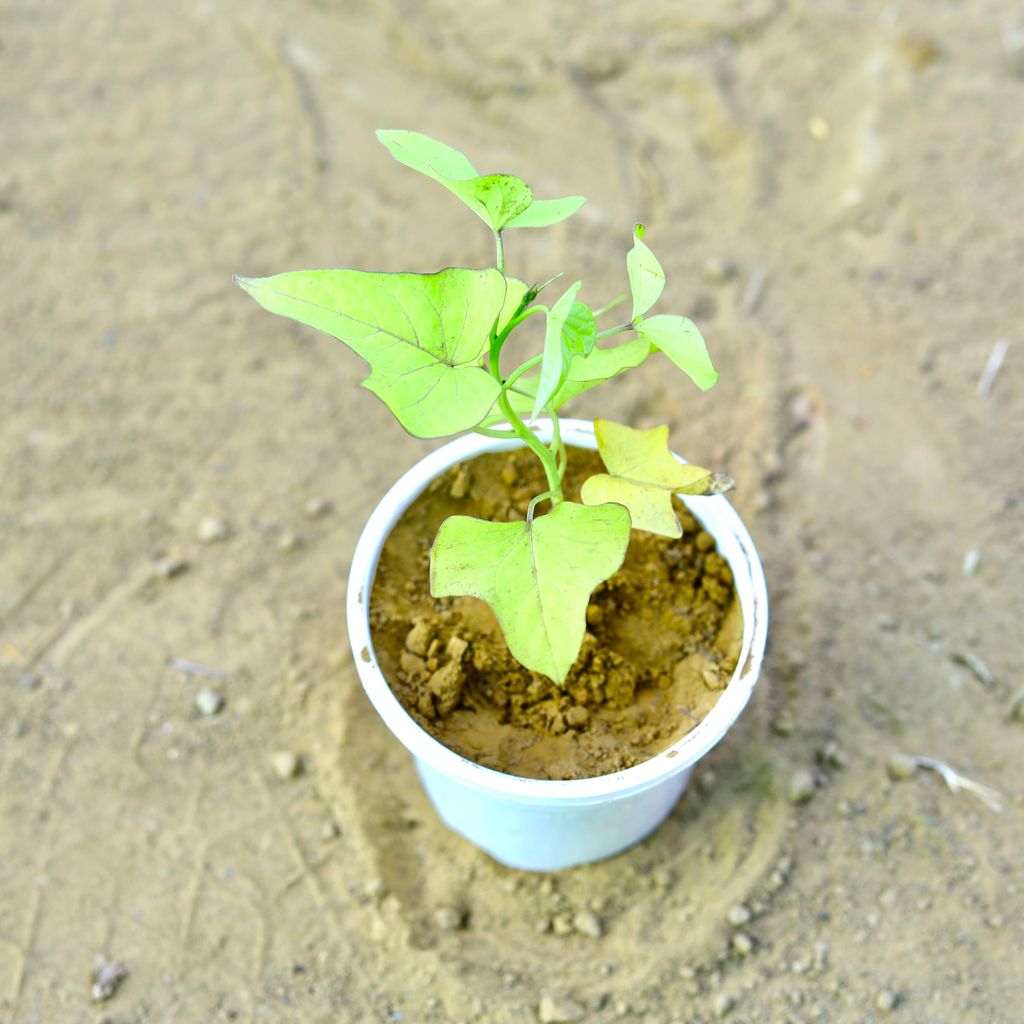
(554,366)
(513,297)
(585,372)
(646,278)
(427,155)
(422,334)
(543,213)
(643,475)
(500,200)
(537,577)
(579,333)
(494,198)
(679,339)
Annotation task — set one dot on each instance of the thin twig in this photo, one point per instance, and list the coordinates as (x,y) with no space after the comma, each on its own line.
(957,782)
(195,668)
(992,367)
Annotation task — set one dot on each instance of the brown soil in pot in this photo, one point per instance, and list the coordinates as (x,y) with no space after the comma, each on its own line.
(663,639)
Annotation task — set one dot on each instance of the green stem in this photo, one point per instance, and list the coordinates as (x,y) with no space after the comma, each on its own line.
(614,330)
(500,246)
(534,444)
(504,435)
(561,455)
(520,370)
(536,501)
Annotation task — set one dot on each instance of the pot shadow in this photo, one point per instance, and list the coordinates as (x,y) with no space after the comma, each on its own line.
(672,892)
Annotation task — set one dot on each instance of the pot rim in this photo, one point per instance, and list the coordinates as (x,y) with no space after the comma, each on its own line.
(717,516)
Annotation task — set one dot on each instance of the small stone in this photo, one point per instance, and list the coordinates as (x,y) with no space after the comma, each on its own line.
(330,830)
(168,568)
(559,1009)
(289,541)
(831,755)
(800,787)
(212,530)
(588,923)
(562,924)
(722,1004)
(577,716)
(106,978)
(972,559)
(718,270)
(418,638)
(818,128)
(30,681)
(900,767)
(316,508)
(287,764)
(742,944)
(456,648)
(886,1001)
(446,687)
(448,919)
(783,724)
(460,485)
(739,916)
(1016,709)
(209,702)
(917,51)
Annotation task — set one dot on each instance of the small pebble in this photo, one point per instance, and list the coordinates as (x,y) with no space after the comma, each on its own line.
(212,530)
(800,787)
(1016,711)
(287,764)
(30,681)
(289,541)
(448,919)
(106,978)
(209,702)
(739,916)
(722,1004)
(971,561)
(885,1001)
(900,767)
(587,923)
(559,1009)
(742,944)
(818,128)
(718,270)
(317,507)
(168,568)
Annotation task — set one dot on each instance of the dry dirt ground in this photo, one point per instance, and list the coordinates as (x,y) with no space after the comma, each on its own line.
(860,165)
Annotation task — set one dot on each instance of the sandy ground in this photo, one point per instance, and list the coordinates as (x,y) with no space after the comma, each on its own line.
(860,165)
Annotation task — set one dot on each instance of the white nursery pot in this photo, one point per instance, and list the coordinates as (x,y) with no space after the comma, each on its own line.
(540,824)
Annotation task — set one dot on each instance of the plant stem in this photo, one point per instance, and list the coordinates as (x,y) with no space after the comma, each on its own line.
(520,370)
(561,455)
(536,501)
(614,330)
(534,444)
(500,246)
(503,435)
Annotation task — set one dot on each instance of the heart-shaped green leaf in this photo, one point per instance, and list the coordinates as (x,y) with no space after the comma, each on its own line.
(643,475)
(646,278)
(422,334)
(679,339)
(500,200)
(556,359)
(495,198)
(537,577)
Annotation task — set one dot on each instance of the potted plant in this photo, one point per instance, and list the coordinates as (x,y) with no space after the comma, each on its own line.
(434,343)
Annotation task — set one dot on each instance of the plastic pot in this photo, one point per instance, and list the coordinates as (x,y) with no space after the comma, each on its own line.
(539,824)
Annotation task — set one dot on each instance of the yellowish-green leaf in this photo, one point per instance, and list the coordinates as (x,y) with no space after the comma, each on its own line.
(643,475)
(500,200)
(646,278)
(537,577)
(556,360)
(422,334)
(679,338)
(542,213)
